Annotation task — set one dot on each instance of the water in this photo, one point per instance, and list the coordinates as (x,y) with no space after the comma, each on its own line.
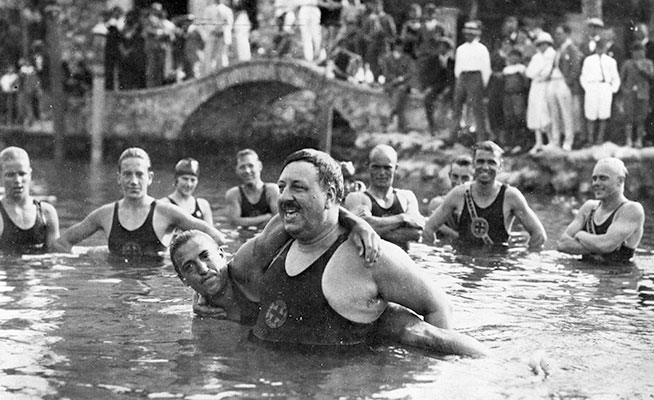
(90,328)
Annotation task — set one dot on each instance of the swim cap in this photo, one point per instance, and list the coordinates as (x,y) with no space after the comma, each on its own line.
(187,166)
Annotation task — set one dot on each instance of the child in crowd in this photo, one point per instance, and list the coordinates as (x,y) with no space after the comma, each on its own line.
(514,105)
(636,74)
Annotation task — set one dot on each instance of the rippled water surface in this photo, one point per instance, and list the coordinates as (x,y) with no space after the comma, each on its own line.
(90,327)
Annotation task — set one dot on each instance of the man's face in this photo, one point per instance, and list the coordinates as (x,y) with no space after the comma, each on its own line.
(460,174)
(134,177)
(487,165)
(382,171)
(469,36)
(606,181)
(202,265)
(302,201)
(16,178)
(559,36)
(248,168)
(186,184)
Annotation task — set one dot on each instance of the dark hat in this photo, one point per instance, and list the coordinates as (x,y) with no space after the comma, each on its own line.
(187,166)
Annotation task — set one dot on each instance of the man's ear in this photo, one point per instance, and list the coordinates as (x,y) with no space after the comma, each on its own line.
(331,197)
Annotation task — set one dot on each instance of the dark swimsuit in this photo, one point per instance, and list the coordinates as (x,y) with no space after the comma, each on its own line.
(21,241)
(197,213)
(480,227)
(376,210)
(623,254)
(254,210)
(294,308)
(142,241)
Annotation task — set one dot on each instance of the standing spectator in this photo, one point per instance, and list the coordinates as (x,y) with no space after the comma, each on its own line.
(495,90)
(559,95)
(539,71)
(641,33)
(308,18)
(115,24)
(9,85)
(613,50)
(411,30)
(636,75)
(436,75)
(218,23)
(514,99)
(600,80)
(569,59)
(131,74)
(430,28)
(29,93)
(472,69)
(330,20)
(285,18)
(155,51)
(378,32)
(594,29)
(397,67)
(242,28)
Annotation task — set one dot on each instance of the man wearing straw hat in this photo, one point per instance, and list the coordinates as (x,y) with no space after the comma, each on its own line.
(472,69)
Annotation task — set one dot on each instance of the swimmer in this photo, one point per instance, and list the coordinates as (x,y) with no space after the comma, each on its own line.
(202,265)
(609,228)
(485,208)
(27,225)
(137,224)
(254,202)
(461,171)
(350,183)
(187,172)
(393,213)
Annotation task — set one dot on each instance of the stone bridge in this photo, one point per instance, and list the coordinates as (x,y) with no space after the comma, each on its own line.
(217,106)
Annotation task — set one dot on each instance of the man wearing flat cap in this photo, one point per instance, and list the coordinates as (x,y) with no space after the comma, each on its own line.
(472,69)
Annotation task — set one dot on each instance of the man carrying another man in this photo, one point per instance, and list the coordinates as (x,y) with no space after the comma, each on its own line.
(26,224)
(486,209)
(317,290)
(609,228)
(136,225)
(393,213)
(254,202)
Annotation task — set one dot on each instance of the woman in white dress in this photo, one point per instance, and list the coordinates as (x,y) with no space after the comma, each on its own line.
(539,71)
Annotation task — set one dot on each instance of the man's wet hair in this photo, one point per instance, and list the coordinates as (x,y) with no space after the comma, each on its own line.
(246,152)
(329,170)
(463,160)
(181,239)
(134,152)
(487,145)
(13,153)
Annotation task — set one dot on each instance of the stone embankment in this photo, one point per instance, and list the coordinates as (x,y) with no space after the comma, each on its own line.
(423,164)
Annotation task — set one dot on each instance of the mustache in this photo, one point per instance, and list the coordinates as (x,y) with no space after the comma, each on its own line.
(288,204)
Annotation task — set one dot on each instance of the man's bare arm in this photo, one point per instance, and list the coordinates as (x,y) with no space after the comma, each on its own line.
(625,223)
(528,219)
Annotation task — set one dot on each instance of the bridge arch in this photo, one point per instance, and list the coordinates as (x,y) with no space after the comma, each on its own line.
(164,112)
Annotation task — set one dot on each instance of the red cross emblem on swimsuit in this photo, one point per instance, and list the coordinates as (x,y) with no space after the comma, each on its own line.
(276,314)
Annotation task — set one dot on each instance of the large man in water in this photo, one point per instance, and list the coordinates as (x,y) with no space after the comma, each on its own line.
(486,208)
(202,265)
(137,224)
(393,213)
(26,224)
(609,228)
(254,202)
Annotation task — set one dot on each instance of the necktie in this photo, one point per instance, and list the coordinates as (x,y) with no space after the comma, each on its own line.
(601,68)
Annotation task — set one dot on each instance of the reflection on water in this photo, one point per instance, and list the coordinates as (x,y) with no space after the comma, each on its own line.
(93,327)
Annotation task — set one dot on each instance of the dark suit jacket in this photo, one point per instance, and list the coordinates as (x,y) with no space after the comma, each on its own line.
(638,77)
(570,63)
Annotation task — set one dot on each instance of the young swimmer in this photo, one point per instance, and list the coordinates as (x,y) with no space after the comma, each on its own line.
(187,172)
(27,225)
(202,265)
(136,225)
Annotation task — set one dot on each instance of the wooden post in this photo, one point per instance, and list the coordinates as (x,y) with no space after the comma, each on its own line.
(326,106)
(57,97)
(591,8)
(98,93)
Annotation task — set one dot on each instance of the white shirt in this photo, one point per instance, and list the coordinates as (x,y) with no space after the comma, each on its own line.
(599,68)
(473,56)
(540,65)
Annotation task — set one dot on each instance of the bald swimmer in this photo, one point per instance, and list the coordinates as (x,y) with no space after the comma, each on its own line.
(609,228)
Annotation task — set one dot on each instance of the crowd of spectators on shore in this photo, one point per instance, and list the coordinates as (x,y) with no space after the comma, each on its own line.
(527,79)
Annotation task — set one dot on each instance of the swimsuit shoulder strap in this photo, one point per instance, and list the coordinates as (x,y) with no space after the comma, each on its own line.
(171,200)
